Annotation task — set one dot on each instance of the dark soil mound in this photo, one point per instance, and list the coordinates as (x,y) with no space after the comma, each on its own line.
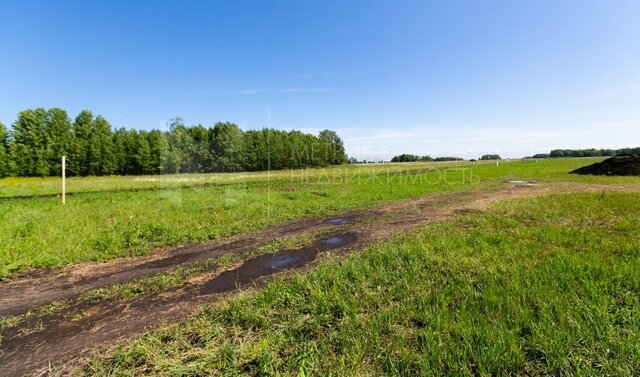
(618,165)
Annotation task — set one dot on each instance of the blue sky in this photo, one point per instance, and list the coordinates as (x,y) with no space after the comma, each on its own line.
(441,78)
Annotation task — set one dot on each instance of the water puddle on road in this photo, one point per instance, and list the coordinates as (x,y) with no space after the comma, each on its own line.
(333,241)
(523,183)
(268,264)
(339,221)
(281,261)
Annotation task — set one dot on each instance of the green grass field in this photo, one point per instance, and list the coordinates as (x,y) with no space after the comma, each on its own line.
(546,286)
(103,220)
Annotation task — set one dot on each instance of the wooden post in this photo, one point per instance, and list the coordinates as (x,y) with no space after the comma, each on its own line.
(64,179)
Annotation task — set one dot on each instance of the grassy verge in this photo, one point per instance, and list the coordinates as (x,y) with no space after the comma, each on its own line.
(535,287)
(100,226)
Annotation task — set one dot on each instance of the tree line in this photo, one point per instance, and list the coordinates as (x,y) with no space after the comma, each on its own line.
(592,152)
(39,138)
(414,158)
(411,158)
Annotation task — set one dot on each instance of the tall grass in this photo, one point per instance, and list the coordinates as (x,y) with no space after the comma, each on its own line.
(548,286)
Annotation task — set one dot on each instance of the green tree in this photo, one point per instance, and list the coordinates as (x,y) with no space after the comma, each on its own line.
(4,155)
(101,159)
(197,150)
(336,153)
(142,156)
(448,158)
(131,157)
(300,146)
(227,146)
(29,147)
(251,150)
(406,158)
(120,150)
(280,149)
(179,141)
(159,151)
(59,139)
(80,161)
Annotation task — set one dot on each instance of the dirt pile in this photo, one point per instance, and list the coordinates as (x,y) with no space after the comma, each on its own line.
(618,165)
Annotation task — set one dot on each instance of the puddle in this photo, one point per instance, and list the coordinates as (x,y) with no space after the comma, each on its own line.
(333,241)
(523,183)
(339,221)
(281,261)
(268,264)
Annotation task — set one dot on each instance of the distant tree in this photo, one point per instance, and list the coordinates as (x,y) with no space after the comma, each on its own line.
(119,151)
(142,157)
(158,150)
(226,144)
(490,157)
(592,152)
(334,147)
(556,153)
(448,159)
(130,145)
(80,159)
(411,158)
(101,158)
(623,151)
(301,146)
(405,158)
(256,150)
(59,139)
(179,147)
(4,153)
(541,155)
(29,147)
(276,150)
(199,157)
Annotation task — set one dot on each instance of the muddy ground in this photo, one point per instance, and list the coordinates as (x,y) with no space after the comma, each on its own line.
(54,342)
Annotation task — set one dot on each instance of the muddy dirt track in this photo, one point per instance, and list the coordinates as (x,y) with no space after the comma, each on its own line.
(59,340)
